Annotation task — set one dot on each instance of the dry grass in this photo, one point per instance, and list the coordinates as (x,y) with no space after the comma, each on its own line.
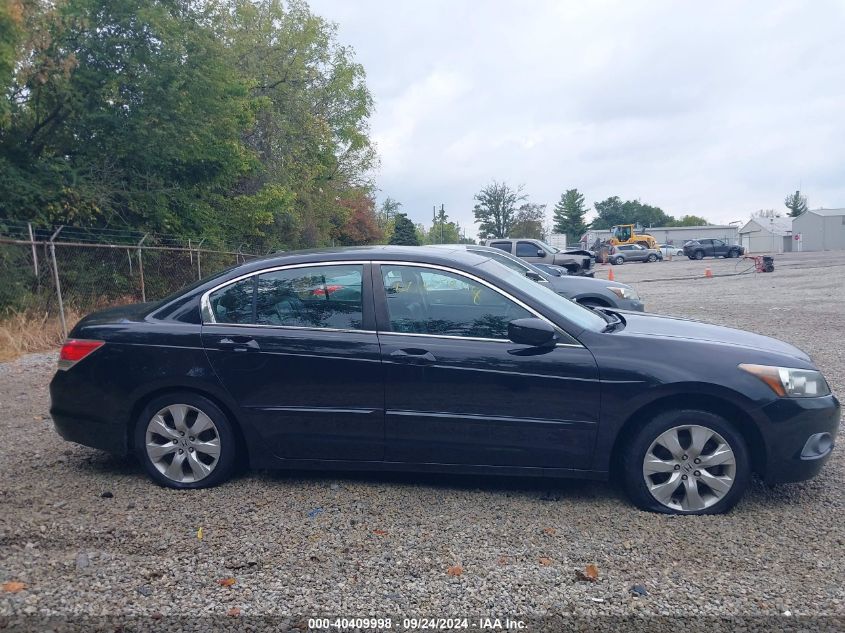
(31,331)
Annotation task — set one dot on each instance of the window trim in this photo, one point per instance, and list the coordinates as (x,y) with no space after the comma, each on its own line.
(462,273)
(207,314)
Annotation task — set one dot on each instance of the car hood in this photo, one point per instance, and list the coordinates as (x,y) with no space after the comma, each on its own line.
(659,326)
(573,284)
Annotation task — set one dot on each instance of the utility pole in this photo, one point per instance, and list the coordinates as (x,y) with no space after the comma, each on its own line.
(442,218)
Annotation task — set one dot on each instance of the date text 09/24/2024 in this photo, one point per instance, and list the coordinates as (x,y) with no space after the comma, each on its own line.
(414,624)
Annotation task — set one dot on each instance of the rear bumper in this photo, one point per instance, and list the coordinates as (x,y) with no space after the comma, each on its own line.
(76,417)
(106,437)
(794,421)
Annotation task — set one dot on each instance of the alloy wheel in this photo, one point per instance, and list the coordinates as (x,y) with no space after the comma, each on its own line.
(182,443)
(689,468)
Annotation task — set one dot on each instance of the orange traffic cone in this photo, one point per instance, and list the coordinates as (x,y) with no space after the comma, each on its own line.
(708,273)
(610,274)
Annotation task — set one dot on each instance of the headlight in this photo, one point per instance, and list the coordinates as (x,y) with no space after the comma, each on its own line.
(789,382)
(624,293)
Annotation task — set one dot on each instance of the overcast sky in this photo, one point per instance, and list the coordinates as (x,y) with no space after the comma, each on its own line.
(716,109)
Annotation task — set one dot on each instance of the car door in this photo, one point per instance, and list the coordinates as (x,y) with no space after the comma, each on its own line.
(719,248)
(707,247)
(457,391)
(296,348)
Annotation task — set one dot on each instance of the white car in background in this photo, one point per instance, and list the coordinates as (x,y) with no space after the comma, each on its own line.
(669,250)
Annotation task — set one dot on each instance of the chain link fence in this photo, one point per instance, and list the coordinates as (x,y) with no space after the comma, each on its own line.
(60,272)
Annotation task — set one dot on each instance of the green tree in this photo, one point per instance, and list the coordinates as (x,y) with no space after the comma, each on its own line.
(404,231)
(389,209)
(569,216)
(613,212)
(529,221)
(690,220)
(796,203)
(495,209)
(236,121)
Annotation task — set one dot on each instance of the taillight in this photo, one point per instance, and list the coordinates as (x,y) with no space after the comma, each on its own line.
(75,349)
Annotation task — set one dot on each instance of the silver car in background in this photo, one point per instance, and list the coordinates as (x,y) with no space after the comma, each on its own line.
(633,253)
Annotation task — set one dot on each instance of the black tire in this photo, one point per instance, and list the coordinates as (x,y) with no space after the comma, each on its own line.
(733,253)
(618,261)
(698,254)
(652,258)
(634,480)
(228,440)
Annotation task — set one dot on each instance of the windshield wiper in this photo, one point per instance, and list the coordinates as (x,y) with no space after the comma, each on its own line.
(614,321)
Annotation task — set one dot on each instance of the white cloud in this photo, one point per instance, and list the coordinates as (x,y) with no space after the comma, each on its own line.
(716,109)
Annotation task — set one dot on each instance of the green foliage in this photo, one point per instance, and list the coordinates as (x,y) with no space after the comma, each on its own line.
(404,231)
(528,221)
(569,216)
(613,211)
(234,121)
(496,208)
(796,203)
(689,220)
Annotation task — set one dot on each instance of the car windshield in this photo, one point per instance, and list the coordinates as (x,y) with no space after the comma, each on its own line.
(550,249)
(569,310)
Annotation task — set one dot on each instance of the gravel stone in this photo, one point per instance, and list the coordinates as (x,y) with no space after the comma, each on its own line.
(383,542)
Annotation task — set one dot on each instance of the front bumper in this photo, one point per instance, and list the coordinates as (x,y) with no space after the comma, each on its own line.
(791,422)
(630,304)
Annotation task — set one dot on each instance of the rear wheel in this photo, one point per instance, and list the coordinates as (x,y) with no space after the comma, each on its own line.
(687,462)
(618,261)
(699,254)
(185,441)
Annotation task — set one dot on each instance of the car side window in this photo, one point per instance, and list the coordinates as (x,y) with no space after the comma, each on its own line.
(718,243)
(526,249)
(428,301)
(315,296)
(502,246)
(233,303)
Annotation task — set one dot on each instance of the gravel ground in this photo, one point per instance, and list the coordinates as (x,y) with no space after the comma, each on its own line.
(89,534)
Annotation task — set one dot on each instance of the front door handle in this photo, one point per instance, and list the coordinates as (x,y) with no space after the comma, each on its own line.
(414,355)
(239,344)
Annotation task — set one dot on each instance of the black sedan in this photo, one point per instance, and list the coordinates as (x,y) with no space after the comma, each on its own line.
(393,358)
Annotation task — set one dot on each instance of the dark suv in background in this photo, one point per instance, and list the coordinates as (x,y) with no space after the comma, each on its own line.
(699,249)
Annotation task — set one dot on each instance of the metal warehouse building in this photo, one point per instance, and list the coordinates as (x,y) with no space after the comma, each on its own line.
(820,230)
(677,235)
(767,235)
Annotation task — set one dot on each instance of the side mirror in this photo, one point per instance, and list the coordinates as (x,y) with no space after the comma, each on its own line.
(541,252)
(533,332)
(534,276)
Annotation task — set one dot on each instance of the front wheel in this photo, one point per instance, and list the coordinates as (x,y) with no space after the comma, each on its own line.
(687,462)
(185,441)
(652,258)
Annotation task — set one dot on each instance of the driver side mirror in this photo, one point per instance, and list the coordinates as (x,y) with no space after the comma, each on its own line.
(533,332)
(541,252)
(534,276)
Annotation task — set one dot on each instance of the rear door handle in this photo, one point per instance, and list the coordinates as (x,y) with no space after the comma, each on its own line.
(414,356)
(239,344)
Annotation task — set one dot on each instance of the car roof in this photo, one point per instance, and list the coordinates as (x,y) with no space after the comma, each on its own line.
(444,256)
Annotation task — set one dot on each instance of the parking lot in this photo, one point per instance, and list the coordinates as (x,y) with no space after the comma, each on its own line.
(90,534)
